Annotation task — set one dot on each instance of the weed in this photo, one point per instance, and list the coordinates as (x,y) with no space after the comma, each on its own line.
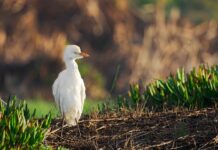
(19,128)
(197,89)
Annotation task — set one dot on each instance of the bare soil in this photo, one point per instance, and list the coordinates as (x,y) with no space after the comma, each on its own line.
(178,129)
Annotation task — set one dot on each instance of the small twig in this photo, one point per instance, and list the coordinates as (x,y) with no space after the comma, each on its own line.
(211,141)
(54,131)
(159,145)
(124,134)
(102,127)
(102,120)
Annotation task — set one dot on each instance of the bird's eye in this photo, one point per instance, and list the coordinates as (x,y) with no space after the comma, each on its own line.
(76,53)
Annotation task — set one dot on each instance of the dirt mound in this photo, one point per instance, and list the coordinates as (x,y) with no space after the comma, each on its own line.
(165,130)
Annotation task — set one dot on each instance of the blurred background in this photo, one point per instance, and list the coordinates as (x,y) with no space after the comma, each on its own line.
(129,41)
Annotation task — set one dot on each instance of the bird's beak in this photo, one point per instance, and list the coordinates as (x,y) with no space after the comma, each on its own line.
(84,54)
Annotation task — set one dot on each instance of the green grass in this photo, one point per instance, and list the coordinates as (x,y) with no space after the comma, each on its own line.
(43,107)
(91,106)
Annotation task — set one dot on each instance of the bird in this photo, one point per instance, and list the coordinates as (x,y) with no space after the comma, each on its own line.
(69,89)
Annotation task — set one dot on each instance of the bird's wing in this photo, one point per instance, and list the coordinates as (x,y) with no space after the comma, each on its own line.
(83,93)
(56,93)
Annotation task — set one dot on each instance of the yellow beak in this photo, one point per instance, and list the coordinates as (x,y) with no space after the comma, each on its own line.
(84,54)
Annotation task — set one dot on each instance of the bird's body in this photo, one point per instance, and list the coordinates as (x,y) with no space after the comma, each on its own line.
(68,88)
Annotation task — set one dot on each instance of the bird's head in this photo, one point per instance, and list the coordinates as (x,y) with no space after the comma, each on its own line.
(73,52)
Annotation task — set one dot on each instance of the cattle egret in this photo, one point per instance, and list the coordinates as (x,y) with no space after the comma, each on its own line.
(69,89)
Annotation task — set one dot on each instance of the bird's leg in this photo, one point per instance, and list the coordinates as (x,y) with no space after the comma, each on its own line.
(78,127)
(62,125)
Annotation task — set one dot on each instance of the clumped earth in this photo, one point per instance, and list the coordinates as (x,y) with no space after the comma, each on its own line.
(175,129)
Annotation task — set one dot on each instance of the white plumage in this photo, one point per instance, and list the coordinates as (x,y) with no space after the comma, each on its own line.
(69,89)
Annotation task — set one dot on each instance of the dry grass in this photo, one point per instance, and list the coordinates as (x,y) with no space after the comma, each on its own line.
(181,129)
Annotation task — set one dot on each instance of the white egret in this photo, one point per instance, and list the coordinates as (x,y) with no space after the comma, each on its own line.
(69,89)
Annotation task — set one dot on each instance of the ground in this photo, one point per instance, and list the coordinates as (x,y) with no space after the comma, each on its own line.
(175,129)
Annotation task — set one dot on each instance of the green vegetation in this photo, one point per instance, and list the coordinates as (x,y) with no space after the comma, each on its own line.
(43,107)
(195,10)
(94,79)
(197,89)
(86,68)
(91,106)
(19,128)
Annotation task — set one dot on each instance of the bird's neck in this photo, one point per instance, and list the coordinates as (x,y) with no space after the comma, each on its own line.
(71,65)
